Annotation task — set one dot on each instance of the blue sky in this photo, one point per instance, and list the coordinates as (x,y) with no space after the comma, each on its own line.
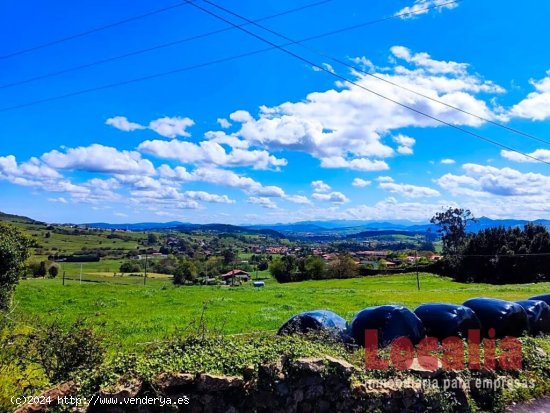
(268,138)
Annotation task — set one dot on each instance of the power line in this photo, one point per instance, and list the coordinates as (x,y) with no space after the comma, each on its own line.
(538,254)
(212,62)
(157,47)
(135,80)
(91,31)
(344,63)
(324,69)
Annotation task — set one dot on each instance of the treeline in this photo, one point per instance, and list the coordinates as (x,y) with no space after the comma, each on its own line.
(289,268)
(42,269)
(76,257)
(504,256)
(493,255)
(199,268)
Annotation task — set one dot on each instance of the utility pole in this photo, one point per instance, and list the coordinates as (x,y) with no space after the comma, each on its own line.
(417,276)
(145,275)
(234,267)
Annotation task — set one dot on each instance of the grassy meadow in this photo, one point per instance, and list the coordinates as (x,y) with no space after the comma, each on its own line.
(128,312)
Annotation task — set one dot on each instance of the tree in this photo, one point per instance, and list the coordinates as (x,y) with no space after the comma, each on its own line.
(282,268)
(213,266)
(229,256)
(452,227)
(263,265)
(505,255)
(38,269)
(130,267)
(152,239)
(14,251)
(53,270)
(343,267)
(315,267)
(185,271)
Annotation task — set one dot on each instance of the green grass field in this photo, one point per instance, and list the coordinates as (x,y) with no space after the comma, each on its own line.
(70,243)
(129,312)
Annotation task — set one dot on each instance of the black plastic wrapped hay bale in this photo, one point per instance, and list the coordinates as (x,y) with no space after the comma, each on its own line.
(542,297)
(443,320)
(506,317)
(538,315)
(391,321)
(317,320)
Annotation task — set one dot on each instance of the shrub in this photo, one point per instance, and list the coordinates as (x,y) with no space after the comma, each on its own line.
(53,270)
(61,352)
(130,267)
(38,269)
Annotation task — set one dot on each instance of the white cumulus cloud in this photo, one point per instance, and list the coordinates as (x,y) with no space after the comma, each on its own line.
(262,201)
(420,7)
(333,197)
(542,154)
(361,183)
(122,123)
(407,190)
(209,152)
(171,127)
(320,186)
(536,106)
(99,158)
(344,127)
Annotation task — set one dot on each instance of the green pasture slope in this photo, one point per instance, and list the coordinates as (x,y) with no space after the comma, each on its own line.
(132,314)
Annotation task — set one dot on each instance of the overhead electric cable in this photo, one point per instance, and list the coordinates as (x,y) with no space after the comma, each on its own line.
(212,62)
(153,48)
(340,77)
(91,31)
(344,63)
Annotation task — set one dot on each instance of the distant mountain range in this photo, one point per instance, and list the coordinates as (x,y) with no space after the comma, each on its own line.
(140,226)
(187,226)
(16,218)
(341,228)
(398,225)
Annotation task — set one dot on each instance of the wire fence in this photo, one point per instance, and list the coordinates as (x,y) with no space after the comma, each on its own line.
(117,279)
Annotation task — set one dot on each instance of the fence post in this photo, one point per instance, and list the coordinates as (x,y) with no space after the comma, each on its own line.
(145,274)
(63,278)
(416,264)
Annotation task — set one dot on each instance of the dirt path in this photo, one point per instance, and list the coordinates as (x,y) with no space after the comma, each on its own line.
(536,406)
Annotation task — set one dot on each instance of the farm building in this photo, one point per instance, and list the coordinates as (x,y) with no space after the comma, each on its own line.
(236,273)
(388,264)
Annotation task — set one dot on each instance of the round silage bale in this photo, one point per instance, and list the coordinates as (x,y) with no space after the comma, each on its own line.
(390,321)
(442,320)
(505,317)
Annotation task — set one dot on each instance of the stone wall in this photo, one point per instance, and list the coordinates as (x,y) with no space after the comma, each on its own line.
(306,385)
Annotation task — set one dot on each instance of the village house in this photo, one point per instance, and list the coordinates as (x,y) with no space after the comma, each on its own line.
(373,254)
(236,274)
(388,264)
(411,259)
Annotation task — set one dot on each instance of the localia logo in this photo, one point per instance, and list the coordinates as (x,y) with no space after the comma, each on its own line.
(452,354)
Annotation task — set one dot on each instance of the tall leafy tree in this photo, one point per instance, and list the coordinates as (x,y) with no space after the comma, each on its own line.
(452,225)
(14,251)
(186,270)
